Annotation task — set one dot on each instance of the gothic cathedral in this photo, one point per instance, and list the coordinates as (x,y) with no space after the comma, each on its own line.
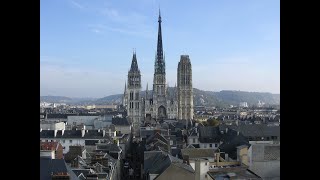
(160,103)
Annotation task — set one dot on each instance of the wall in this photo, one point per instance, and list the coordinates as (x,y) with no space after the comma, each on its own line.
(207,145)
(190,140)
(59,126)
(101,124)
(59,152)
(90,148)
(175,173)
(47,153)
(152,176)
(52,125)
(124,129)
(242,155)
(201,168)
(86,120)
(266,169)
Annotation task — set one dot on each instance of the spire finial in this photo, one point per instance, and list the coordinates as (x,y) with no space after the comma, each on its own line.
(159,15)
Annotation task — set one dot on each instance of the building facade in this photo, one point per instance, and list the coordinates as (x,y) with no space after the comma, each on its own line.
(160,103)
(133,93)
(185,90)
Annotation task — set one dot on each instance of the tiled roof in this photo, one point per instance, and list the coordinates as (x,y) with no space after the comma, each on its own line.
(48,145)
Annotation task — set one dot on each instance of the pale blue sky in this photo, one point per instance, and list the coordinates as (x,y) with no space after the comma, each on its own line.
(86,45)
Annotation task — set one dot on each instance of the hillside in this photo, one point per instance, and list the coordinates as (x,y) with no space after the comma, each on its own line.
(201,98)
(55,99)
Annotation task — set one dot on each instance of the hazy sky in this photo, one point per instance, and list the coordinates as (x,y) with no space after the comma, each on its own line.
(86,45)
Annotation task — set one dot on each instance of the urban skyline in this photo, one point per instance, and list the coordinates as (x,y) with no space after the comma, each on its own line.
(90,54)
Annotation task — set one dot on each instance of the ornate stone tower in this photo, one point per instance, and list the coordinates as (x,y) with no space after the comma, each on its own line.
(185,90)
(159,80)
(133,94)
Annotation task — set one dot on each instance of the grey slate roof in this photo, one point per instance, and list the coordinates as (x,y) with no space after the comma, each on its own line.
(47,134)
(90,142)
(156,136)
(108,148)
(209,134)
(197,153)
(146,133)
(120,121)
(233,173)
(155,162)
(231,140)
(49,166)
(94,134)
(254,130)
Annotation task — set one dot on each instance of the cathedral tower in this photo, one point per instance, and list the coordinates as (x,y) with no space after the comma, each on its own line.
(185,90)
(159,80)
(133,94)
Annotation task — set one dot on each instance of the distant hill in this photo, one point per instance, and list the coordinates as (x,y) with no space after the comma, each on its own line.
(252,98)
(68,100)
(55,99)
(201,98)
(112,99)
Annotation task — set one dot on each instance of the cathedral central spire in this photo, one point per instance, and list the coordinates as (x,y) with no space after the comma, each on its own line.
(160,63)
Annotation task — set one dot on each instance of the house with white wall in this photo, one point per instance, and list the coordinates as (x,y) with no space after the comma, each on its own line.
(73,137)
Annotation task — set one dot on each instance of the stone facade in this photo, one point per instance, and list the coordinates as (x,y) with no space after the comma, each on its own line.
(185,90)
(159,103)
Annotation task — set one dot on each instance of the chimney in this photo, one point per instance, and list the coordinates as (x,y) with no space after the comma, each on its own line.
(103,133)
(226,157)
(242,154)
(98,130)
(197,168)
(217,158)
(226,130)
(186,160)
(83,132)
(110,132)
(238,133)
(55,133)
